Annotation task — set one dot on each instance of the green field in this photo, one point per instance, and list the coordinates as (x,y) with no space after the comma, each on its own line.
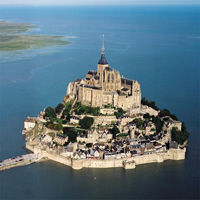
(11,37)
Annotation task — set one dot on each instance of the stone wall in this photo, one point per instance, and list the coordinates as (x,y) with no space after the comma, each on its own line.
(172,154)
(104,120)
(58,158)
(107,111)
(144,109)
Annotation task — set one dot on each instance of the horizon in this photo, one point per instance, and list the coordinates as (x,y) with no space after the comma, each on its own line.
(97,2)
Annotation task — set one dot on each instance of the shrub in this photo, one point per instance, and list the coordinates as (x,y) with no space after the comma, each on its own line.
(119,113)
(151,104)
(86,122)
(82,109)
(166,112)
(96,111)
(55,126)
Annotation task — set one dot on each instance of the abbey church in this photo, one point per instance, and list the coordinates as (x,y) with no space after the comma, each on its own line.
(105,86)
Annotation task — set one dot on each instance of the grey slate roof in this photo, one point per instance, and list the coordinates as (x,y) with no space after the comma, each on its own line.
(103,60)
(127,81)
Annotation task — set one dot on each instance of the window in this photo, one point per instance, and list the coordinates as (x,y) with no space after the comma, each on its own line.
(108,77)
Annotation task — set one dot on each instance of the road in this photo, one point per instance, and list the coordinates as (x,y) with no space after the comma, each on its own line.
(18,159)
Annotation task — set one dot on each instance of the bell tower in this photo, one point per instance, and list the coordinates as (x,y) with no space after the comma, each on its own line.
(102,64)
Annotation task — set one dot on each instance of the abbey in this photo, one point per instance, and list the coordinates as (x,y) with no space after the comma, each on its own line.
(105,86)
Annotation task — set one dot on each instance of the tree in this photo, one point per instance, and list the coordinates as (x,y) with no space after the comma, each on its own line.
(146,116)
(139,123)
(115,130)
(151,104)
(184,128)
(179,136)
(68,106)
(50,112)
(72,135)
(119,113)
(166,112)
(56,125)
(174,117)
(59,108)
(158,123)
(86,122)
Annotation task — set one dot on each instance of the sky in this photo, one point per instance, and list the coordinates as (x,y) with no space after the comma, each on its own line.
(99,2)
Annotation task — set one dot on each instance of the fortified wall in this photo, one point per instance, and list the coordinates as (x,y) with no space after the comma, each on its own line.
(172,154)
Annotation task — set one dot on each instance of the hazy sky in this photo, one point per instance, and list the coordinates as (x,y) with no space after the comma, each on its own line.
(97,2)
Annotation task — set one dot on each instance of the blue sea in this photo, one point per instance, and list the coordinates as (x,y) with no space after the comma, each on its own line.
(157,45)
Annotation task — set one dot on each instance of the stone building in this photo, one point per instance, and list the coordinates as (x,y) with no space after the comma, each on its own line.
(29,122)
(105,86)
(60,139)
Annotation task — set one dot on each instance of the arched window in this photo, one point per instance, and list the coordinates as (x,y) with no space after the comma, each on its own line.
(109,78)
(113,78)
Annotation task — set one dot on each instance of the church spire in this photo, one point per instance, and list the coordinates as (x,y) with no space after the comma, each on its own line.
(103,49)
(103,60)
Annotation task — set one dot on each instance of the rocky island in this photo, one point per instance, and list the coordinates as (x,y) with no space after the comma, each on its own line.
(103,123)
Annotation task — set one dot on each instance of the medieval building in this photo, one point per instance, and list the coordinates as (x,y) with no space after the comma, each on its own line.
(105,86)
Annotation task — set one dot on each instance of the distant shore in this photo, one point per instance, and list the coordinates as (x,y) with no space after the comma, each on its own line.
(13,36)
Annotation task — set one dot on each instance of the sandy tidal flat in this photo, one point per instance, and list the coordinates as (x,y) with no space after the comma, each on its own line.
(12,37)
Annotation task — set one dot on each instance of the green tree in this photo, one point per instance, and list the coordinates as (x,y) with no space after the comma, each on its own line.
(179,136)
(139,123)
(115,130)
(86,122)
(151,104)
(56,125)
(68,106)
(119,113)
(158,123)
(59,108)
(184,128)
(72,135)
(166,112)
(50,112)
(146,116)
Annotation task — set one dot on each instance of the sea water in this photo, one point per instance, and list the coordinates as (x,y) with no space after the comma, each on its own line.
(157,45)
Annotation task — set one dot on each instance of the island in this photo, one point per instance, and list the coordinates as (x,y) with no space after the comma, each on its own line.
(103,123)
(17,36)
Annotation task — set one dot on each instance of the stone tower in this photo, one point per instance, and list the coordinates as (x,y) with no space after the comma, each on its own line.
(102,64)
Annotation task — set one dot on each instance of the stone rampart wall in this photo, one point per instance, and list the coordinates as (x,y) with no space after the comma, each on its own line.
(172,154)
(104,120)
(144,109)
(57,158)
